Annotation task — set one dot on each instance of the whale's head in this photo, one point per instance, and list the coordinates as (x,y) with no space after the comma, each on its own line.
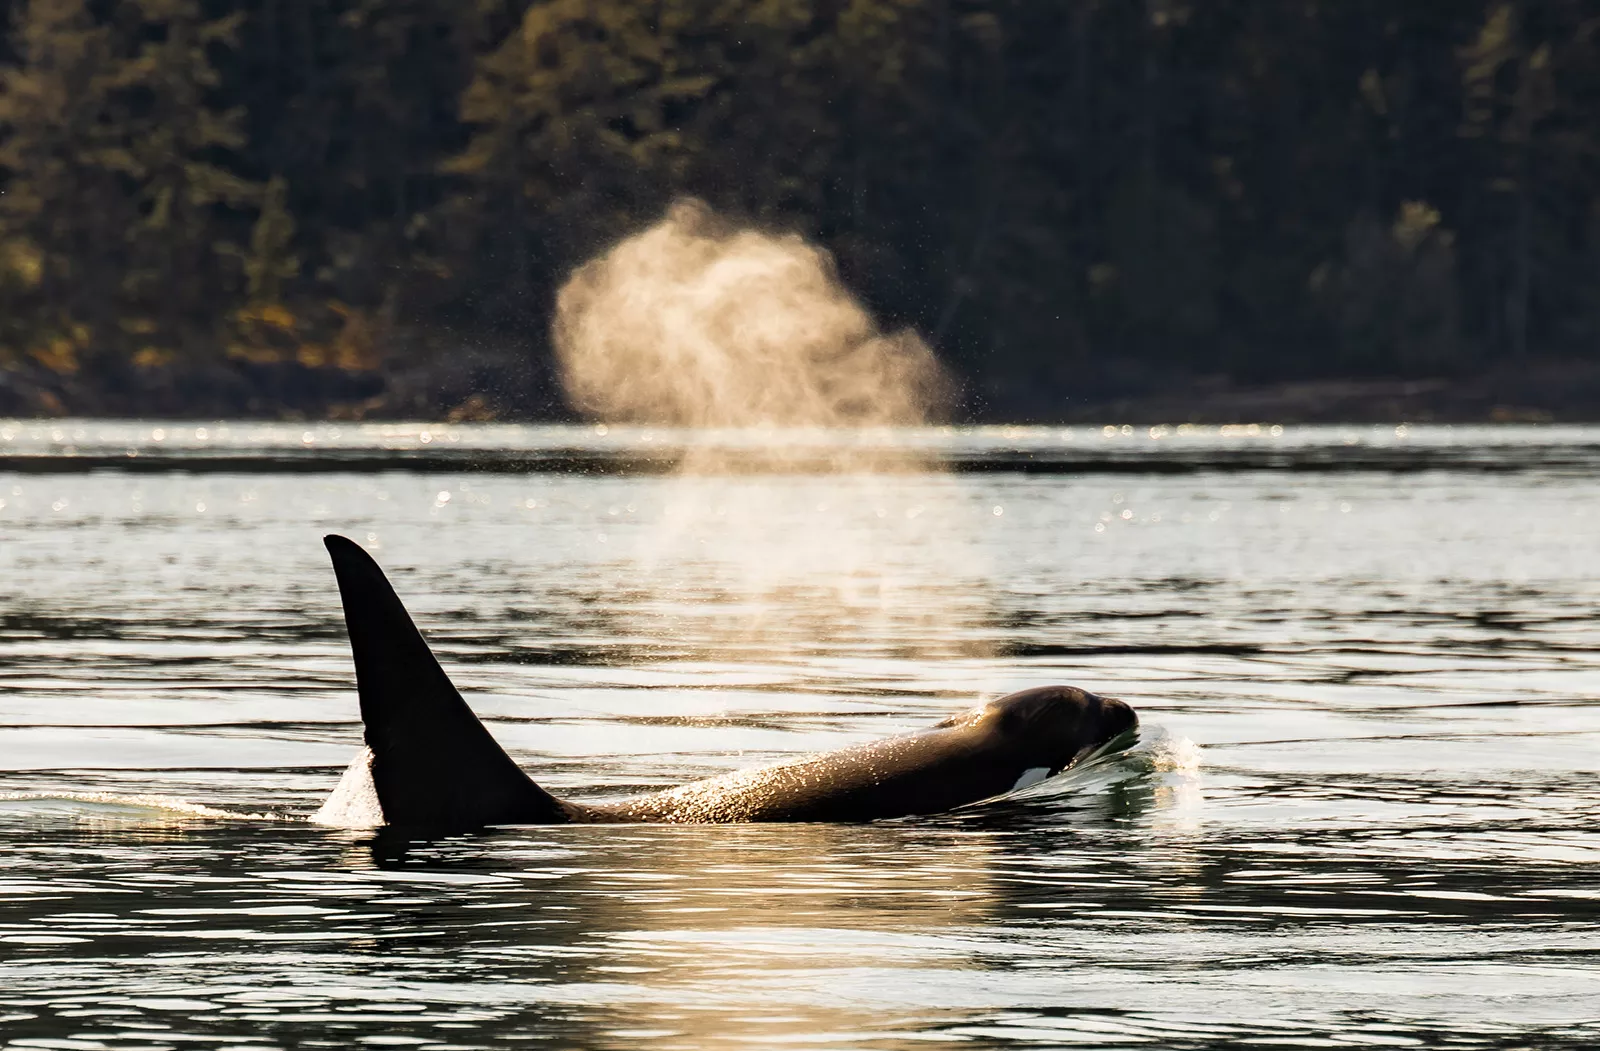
(1052,727)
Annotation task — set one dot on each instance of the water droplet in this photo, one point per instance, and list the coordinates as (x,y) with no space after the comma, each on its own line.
(998,510)
(444,496)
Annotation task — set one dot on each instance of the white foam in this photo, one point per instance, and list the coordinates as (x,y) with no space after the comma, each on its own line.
(137,801)
(1178,782)
(354,802)
(1174,755)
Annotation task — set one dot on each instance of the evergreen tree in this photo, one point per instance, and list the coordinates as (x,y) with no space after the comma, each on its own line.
(590,116)
(1070,198)
(117,193)
(61,215)
(353,103)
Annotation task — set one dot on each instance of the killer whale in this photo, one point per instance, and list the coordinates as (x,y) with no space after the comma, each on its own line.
(430,764)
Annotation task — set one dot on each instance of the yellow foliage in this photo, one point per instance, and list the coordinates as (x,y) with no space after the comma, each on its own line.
(60,356)
(1415,221)
(21,264)
(152,357)
(355,348)
(311,355)
(271,315)
(268,333)
(256,355)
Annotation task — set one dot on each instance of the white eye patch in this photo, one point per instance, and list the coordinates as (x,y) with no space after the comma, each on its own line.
(1031,776)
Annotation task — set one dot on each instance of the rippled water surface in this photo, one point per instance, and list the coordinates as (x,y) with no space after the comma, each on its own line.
(1365,809)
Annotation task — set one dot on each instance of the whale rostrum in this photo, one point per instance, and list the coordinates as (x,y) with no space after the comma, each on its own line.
(431,764)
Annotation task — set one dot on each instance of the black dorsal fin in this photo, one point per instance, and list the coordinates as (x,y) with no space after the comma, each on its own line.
(434,765)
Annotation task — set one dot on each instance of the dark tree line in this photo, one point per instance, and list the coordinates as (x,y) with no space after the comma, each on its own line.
(1063,196)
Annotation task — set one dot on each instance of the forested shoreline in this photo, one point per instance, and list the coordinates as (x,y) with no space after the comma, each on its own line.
(362,207)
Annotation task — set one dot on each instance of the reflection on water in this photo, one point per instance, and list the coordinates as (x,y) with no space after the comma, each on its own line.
(767,564)
(1364,810)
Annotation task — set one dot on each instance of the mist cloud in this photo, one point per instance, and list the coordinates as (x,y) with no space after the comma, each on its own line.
(698,323)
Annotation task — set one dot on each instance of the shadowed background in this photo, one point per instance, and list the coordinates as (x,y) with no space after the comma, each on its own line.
(1151,209)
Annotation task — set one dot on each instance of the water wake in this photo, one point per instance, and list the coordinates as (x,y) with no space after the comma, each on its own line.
(129,807)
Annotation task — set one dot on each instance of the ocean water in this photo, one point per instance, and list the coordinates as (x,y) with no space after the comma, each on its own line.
(1364,810)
